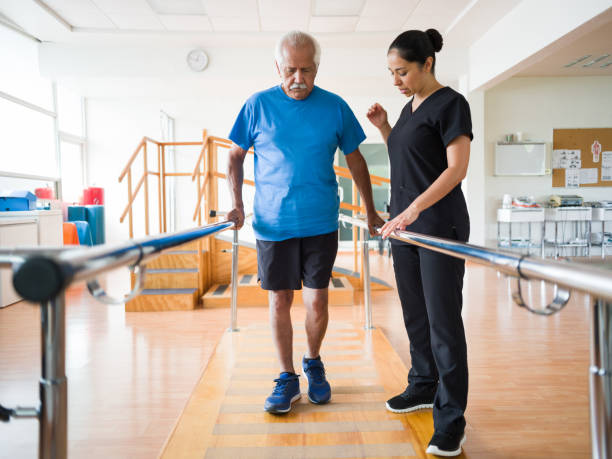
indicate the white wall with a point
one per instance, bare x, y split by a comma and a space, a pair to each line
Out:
115, 128
535, 106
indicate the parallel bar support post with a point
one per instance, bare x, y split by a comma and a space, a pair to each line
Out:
53, 431
600, 378
367, 297
234, 283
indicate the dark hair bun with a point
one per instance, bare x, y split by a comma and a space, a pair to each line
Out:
435, 38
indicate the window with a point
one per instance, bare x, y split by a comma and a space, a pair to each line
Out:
27, 142
36, 118
21, 78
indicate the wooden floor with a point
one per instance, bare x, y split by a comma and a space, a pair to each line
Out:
354, 423
130, 375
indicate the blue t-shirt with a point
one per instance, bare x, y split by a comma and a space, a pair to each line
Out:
296, 192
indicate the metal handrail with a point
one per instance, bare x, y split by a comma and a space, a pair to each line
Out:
585, 278
566, 275
42, 275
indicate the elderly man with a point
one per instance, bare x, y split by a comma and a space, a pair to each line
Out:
295, 128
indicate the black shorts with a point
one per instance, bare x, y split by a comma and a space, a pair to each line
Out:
284, 265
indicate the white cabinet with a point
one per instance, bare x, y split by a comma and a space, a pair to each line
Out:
26, 229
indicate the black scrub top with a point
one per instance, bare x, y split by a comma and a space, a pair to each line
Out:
417, 152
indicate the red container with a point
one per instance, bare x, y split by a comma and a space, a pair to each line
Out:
96, 196
93, 196
44, 193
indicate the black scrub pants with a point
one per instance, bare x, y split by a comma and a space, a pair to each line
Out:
430, 290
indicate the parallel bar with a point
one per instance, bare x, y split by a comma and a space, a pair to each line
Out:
55, 270
53, 426
600, 379
234, 283
575, 276
367, 297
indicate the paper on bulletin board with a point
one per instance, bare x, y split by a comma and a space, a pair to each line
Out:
566, 159
606, 174
606, 159
588, 175
572, 178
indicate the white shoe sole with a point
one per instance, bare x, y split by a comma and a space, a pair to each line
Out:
295, 397
433, 449
412, 408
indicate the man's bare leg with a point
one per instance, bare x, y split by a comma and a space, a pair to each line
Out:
317, 317
282, 330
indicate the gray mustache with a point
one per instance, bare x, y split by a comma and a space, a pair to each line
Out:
298, 86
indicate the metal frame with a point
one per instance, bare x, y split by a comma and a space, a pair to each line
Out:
42, 276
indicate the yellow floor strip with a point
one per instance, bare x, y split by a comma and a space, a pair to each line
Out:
224, 418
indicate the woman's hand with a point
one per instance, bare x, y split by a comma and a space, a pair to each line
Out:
377, 115
407, 217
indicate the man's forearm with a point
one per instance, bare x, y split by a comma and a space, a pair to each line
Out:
235, 178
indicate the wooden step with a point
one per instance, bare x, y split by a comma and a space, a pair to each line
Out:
251, 294
170, 278
171, 299
176, 259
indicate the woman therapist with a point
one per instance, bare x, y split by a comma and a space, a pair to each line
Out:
429, 150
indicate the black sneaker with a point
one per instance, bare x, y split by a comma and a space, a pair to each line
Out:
410, 400
443, 444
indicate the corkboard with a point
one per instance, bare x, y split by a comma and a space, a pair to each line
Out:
582, 139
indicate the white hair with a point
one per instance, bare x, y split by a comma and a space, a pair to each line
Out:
296, 39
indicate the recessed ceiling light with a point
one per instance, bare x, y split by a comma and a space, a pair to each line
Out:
580, 59
594, 61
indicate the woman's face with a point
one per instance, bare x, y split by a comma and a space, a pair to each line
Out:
408, 77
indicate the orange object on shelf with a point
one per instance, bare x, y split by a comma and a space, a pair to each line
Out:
71, 237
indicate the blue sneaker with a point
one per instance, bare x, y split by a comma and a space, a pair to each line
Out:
286, 391
319, 391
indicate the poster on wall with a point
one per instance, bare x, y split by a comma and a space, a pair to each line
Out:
582, 157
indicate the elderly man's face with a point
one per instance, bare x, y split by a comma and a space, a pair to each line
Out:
298, 71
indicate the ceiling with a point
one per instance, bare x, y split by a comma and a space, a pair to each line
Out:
317, 16
335, 23
590, 53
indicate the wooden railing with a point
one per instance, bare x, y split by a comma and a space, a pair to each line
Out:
161, 175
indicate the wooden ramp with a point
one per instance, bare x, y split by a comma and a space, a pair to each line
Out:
224, 418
